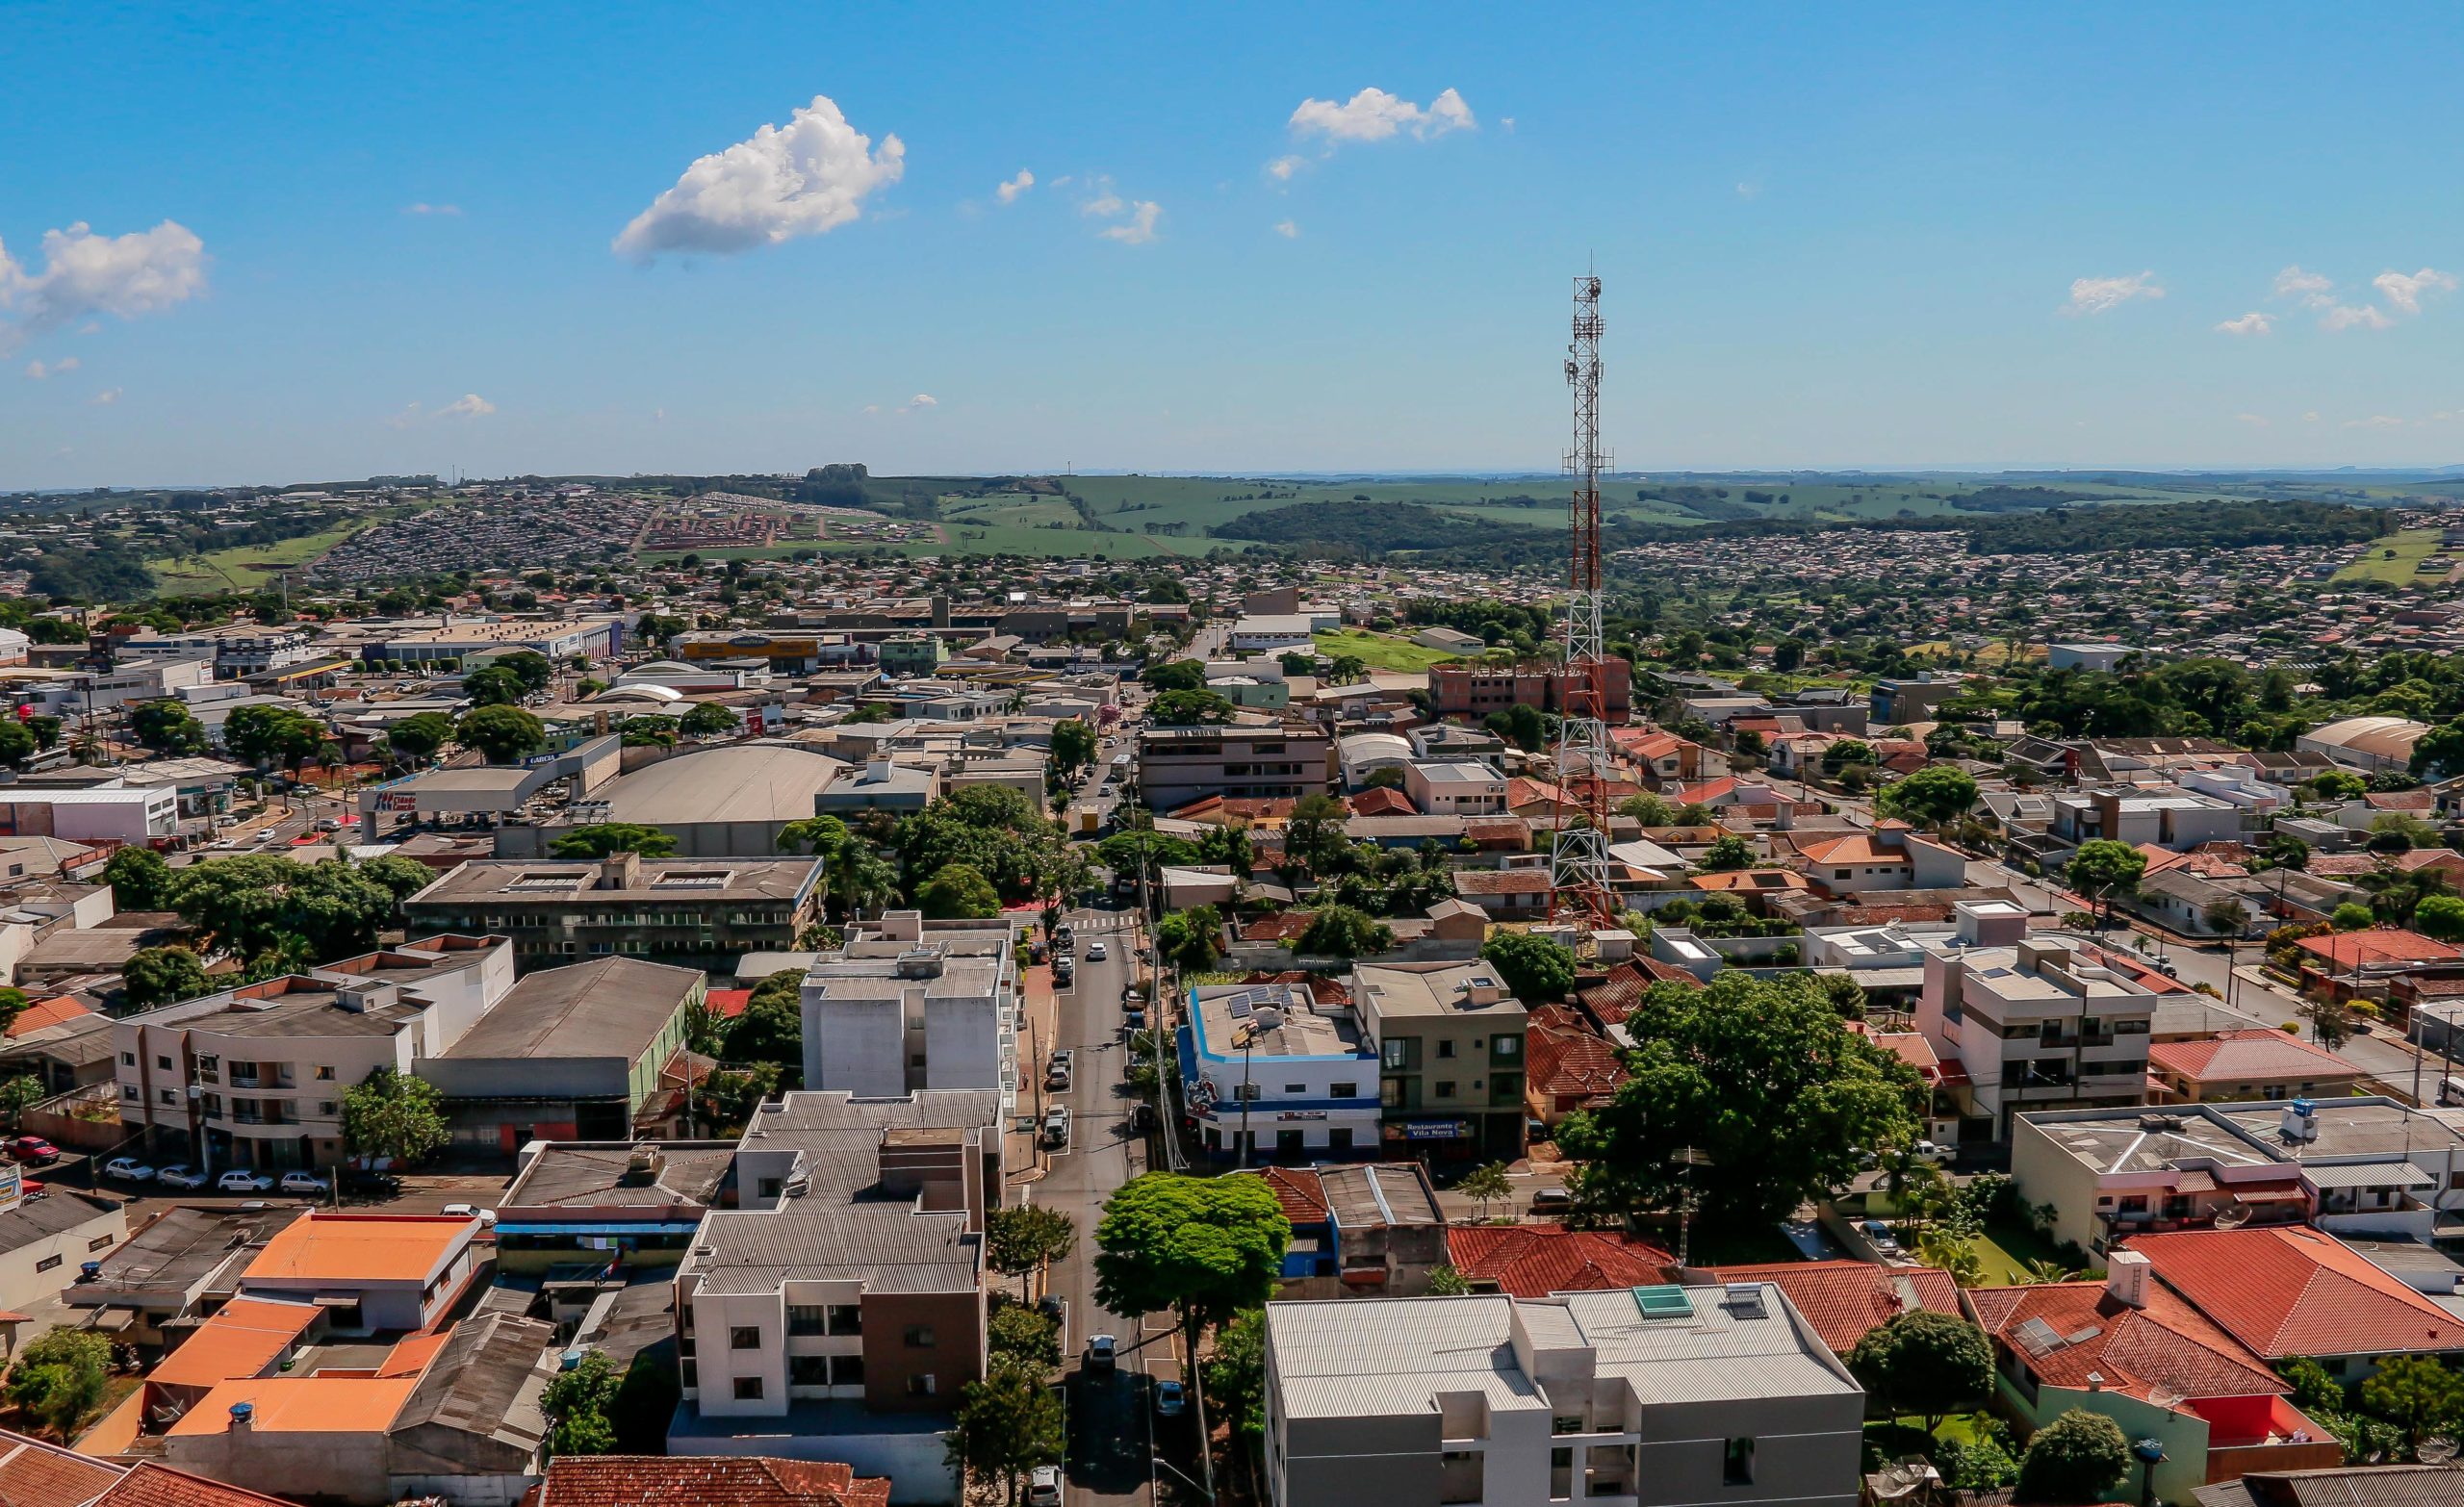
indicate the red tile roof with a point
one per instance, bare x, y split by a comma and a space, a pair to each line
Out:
1501, 881
1298, 1189
1382, 802
2288, 1289
2167, 1347
728, 1004
1280, 926
1532, 1261
36, 1475
706, 1481
1854, 848
1572, 1060
2248, 1057
151, 1485
2348, 949
1842, 1299
53, 1011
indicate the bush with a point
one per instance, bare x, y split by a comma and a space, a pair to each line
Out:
2079, 1457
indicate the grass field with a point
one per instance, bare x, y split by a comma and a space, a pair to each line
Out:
1381, 650
247, 568
2393, 561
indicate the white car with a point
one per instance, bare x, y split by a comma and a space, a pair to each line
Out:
1095, 952
302, 1183
129, 1168
177, 1176
486, 1216
240, 1180
1043, 1487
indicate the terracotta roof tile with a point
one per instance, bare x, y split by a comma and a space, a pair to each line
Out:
152, 1485
1382, 802
706, 1481
2347, 949
2167, 1348
36, 1475
2248, 1057
1532, 1261
1298, 1189
1501, 881
1842, 1299
1568, 1061
2288, 1289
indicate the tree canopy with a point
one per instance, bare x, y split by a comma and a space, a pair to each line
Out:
393, 1114
958, 891
1211, 1246
1536, 969
501, 733
2079, 1457
603, 838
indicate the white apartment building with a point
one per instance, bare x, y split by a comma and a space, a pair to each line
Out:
1268, 1062
1634, 1398
90, 813
1271, 634
910, 1004
1455, 787
2033, 1023
254, 1077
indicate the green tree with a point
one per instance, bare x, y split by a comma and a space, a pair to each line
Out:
1189, 710
2314, 1390
1236, 1379
1022, 1338
1536, 969
598, 840
1314, 833
1934, 796
771, 1028
2226, 916
1074, 745
2104, 869
1846, 752
2079, 1457
1343, 932
1520, 725
709, 720
393, 1114
1761, 1078
1727, 854
1446, 1282
1005, 1425
646, 732
419, 736
820, 835
1646, 811
859, 878
60, 1379
20, 1094
2418, 1394
529, 669
161, 976
493, 686
1025, 1238
2352, 916
254, 903
576, 1403
1487, 1183
1190, 940
1927, 1363
959, 892
138, 877
501, 733
2441, 917
168, 727
2439, 752
1207, 1247
267, 734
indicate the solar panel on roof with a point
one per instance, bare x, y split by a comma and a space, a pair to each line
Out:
2083, 1335
2037, 1337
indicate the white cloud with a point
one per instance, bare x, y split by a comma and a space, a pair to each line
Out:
470, 405
431, 209
1373, 116
2254, 322
2405, 292
2255, 421
920, 400
2311, 417
1506, 121
2354, 316
1289, 230
1283, 168
1107, 204
2313, 290
2376, 421
2097, 294
1008, 193
1139, 228
106, 397
39, 372
144, 271
806, 178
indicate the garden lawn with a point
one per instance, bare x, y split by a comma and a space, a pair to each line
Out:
1382, 651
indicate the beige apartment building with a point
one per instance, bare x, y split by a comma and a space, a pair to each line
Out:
1449, 1040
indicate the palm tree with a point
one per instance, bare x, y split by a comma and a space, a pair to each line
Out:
859, 876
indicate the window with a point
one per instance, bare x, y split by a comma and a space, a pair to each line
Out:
768, 1187
1296, 1091
806, 1318
744, 1336
1339, 1138
1507, 1047
128, 1059
921, 1385
324, 1073
163, 1063
1445, 1048
100, 1242
1395, 1053
128, 1090
1343, 1090
1736, 1463
168, 1097
46, 1263
748, 1388
920, 1336
846, 1371
846, 1319
1444, 1088
1248, 1092
807, 1370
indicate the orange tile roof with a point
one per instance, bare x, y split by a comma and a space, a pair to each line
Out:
2347, 949
727, 1004
1501, 881
55, 1011
1532, 1261
1378, 801
2248, 1057
411, 1356
1752, 879
1842, 1299
248, 1336
2167, 1347
1298, 1189
706, 1481
338, 1247
2287, 1290
1572, 1060
303, 1405
152, 1485
1854, 848
36, 1475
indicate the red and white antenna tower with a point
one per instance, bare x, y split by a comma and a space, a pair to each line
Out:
1579, 888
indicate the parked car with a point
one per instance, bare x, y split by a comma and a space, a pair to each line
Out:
1102, 1351
240, 1180
1056, 1075
178, 1176
1055, 1127
1932, 1155
128, 1170
1043, 1487
1879, 1233
1171, 1400
370, 1184
1551, 1199
487, 1217
1095, 952
33, 1150
303, 1183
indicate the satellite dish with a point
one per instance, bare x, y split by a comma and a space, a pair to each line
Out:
2435, 1452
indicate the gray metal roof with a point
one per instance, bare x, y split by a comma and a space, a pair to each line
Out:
607, 1008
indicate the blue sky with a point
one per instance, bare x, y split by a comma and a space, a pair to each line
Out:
1943, 236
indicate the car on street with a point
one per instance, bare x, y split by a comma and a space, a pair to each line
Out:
33, 1150
1102, 1352
1883, 1239
1551, 1199
1171, 1400
1095, 952
1932, 1155
128, 1170
303, 1183
485, 1216
178, 1176
370, 1184
1055, 1127
240, 1180
1043, 1487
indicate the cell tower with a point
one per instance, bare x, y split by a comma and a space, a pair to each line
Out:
1579, 887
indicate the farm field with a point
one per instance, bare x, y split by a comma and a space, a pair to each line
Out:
2394, 562
1381, 650
246, 568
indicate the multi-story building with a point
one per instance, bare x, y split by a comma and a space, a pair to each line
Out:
908, 1003
1279, 760
837, 1312
1270, 1062
588, 1052
451, 641
1455, 787
905, 654
1475, 690
2177, 819
1448, 1041
1634, 1398
673, 911
238, 649
254, 1077
2032, 1022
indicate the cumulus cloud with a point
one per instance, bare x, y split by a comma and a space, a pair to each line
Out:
2098, 295
1289, 230
2354, 316
1283, 168
919, 403
144, 271
1008, 193
2254, 322
431, 209
470, 405
2311, 290
2376, 421
106, 397
1373, 116
806, 178
1139, 229
1105, 203
39, 372
2404, 289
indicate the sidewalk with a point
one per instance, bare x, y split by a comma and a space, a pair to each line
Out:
1040, 1023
